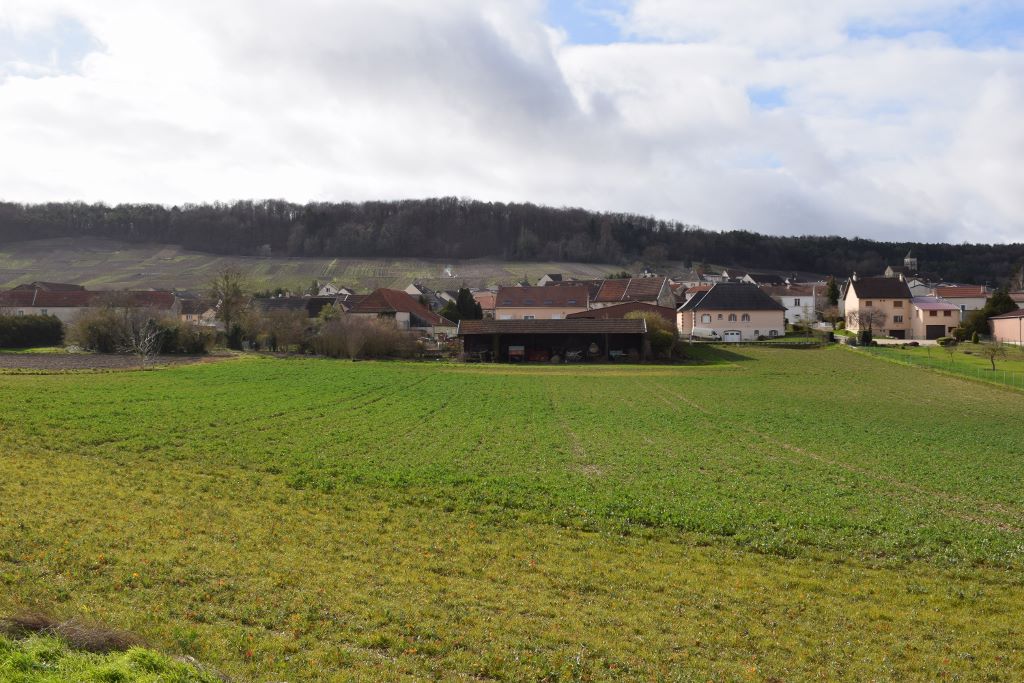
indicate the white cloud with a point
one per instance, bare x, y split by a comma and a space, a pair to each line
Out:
194, 101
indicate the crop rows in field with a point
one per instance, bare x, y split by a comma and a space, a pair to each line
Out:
781, 451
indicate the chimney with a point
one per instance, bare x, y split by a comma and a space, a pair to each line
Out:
902, 279
854, 278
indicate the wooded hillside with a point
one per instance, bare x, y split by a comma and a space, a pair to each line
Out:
451, 228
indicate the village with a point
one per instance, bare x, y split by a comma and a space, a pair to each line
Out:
559, 319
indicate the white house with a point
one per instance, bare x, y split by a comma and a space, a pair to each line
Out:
799, 300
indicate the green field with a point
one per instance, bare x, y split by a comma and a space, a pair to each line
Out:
964, 359
772, 515
107, 264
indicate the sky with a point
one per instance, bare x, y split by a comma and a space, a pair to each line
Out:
887, 119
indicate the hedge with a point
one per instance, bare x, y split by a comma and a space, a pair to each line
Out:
26, 331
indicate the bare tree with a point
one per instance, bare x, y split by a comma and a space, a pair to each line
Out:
285, 328
865, 319
993, 351
228, 290
142, 334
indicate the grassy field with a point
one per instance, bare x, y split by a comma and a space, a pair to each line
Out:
106, 264
776, 515
964, 359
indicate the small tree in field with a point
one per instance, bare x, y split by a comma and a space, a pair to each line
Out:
228, 290
993, 352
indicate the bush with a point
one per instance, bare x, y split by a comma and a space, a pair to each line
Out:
864, 337
357, 337
25, 331
974, 338
661, 341
761, 337
109, 329
946, 341
841, 325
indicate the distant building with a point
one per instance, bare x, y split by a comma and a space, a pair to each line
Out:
66, 302
551, 302
800, 300
549, 277
732, 311
1008, 328
969, 298
405, 310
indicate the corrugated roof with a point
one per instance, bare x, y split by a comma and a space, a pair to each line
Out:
566, 326
632, 289
880, 288
558, 297
733, 296
932, 303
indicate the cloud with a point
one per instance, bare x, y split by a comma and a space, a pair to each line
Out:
724, 114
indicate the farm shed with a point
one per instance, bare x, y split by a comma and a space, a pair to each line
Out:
542, 340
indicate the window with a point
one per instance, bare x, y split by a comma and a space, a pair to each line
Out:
796, 302
504, 316
745, 317
947, 314
897, 304
572, 302
529, 317
21, 312
706, 318
933, 314
556, 316
528, 302
719, 316
506, 302
732, 317
44, 311
867, 304
548, 302
757, 332
897, 318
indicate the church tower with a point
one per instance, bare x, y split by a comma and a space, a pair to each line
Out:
910, 263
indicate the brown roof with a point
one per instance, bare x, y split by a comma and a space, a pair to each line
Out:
396, 301
593, 286
565, 326
632, 289
42, 298
963, 292
788, 290
880, 288
52, 286
1019, 313
560, 296
485, 299
732, 296
620, 310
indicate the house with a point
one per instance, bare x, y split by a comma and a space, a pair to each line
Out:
198, 312
694, 291
619, 311
732, 311
763, 279
330, 289
546, 340
1008, 328
1018, 298
908, 268
551, 302
968, 297
549, 277
933, 318
881, 304
66, 302
799, 300
426, 296
486, 299
405, 310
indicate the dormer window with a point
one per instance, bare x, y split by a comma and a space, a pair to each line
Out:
506, 302
548, 302
572, 302
528, 302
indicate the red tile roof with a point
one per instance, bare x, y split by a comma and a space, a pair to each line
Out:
933, 303
632, 289
963, 292
561, 296
396, 301
41, 298
485, 299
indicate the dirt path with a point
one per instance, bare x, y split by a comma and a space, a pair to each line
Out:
57, 362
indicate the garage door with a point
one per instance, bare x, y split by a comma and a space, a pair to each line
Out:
934, 331
732, 336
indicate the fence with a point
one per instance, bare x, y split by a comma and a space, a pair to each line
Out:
1010, 378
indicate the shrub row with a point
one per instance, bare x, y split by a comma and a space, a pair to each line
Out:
26, 331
